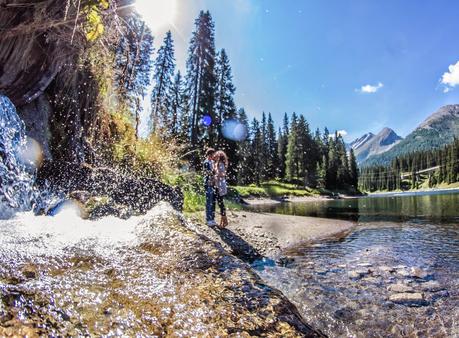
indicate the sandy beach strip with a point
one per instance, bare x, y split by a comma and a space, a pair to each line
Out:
265, 234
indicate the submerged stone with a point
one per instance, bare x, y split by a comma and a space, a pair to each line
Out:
406, 297
431, 286
399, 287
418, 273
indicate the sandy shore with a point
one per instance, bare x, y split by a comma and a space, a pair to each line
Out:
252, 235
298, 199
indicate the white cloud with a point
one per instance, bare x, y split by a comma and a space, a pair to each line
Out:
451, 78
369, 89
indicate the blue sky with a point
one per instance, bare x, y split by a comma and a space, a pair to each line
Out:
353, 65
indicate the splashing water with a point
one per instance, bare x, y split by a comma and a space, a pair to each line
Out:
16, 182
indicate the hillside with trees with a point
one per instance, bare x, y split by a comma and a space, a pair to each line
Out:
438, 130
426, 169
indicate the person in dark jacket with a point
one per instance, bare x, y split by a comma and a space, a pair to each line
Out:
209, 186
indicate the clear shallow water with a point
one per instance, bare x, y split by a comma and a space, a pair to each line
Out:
395, 274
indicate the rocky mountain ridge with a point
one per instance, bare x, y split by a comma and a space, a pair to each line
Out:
437, 130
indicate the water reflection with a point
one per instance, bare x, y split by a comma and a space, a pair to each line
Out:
441, 207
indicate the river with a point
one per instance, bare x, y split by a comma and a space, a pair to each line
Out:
395, 274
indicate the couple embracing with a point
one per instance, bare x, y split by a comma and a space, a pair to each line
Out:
214, 168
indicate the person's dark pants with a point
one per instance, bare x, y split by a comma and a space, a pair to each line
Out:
221, 204
210, 203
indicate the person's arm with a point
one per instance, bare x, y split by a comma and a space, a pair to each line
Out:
221, 170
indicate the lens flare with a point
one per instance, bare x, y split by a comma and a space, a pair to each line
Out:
31, 154
157, 14
206, 120
234, 130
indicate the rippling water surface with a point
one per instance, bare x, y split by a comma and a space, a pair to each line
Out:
395, 274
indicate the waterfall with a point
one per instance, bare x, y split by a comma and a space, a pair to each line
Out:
16, 180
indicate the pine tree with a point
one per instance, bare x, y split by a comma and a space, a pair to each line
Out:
225, 111
321, 172
133, 64
353, 170
343, 164
413, 175
333, 162
177, 106
272, 155
292, 158
161, 98
304, 151
244, 154
452, 164
282, 146
225, 108
201, 81
257, 152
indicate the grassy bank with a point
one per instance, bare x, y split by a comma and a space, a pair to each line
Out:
195, 200
275, 189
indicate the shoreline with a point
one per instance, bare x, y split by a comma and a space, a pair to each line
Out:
255, 200
412, 192
251, 236
252, 200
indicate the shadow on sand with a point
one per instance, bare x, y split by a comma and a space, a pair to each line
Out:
239, 247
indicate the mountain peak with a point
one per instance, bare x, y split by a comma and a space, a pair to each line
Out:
450, 111
388, 137
371, 144
386, 130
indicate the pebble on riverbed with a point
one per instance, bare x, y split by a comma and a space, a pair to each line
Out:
407, 297
399, 287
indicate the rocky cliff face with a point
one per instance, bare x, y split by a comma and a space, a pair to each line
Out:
370, 144
42, 48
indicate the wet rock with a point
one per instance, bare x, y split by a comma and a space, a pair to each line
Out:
407, 298
372, 280
285, 261
365, 265
387, 268
345, 314
431, 286
123, 289
418, 273
403, 272
354, 274
30, 271
399, 287
137, 193
434, 296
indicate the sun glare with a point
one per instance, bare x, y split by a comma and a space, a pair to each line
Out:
157, 13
